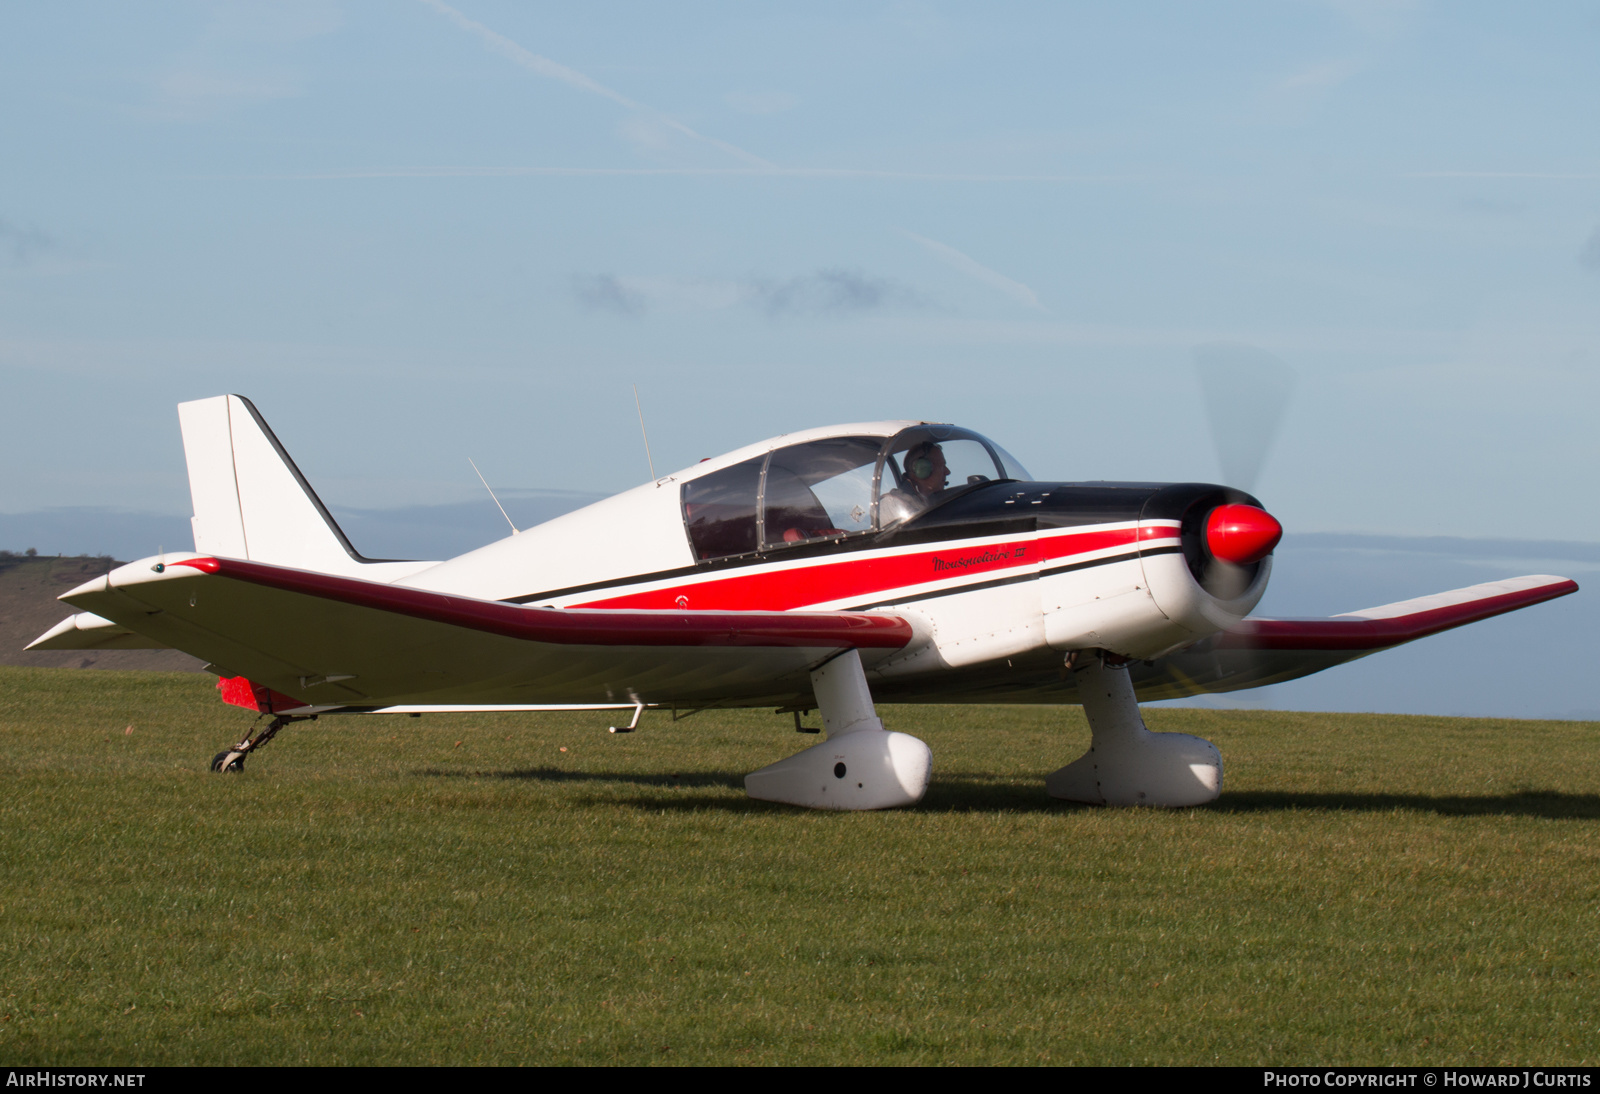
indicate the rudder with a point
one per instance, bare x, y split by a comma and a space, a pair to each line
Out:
250, 500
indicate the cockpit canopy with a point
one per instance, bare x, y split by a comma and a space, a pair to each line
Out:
837, 487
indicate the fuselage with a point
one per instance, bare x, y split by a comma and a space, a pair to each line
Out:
992, 570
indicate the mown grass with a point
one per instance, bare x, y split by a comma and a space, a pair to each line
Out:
1370, 889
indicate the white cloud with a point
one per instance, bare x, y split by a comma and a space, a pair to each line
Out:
1589, 257
196, 94
1325, 74
634, 296
22, 244
606, 292
276, 23
831, 291
236, 59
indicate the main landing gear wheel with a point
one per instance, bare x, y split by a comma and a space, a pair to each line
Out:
233, 759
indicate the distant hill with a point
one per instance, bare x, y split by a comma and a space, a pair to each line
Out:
28, 607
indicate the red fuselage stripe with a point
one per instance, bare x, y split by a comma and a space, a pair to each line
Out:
833, 579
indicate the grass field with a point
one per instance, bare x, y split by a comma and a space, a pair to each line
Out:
504, 889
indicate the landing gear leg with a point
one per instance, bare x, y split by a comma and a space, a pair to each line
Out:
232, 759
1127, 764
861, 765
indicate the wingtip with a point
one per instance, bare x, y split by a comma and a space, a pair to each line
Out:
1389, 625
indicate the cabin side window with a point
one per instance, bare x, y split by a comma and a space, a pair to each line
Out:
720, 510
805, 492
819, 490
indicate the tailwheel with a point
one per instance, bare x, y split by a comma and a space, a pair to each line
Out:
233, 759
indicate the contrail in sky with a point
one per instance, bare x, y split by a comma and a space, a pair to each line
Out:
549, 69
973, 268
1500, 175
468, 171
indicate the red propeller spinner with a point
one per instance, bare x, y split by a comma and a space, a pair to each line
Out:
1241, 534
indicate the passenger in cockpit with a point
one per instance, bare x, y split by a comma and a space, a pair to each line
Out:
925, 477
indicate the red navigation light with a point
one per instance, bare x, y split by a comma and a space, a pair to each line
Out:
1241, 534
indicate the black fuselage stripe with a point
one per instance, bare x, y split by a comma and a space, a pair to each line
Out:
975, 586
734, 565
609, 583
1144, 553
937, 593
855, 544
999, 581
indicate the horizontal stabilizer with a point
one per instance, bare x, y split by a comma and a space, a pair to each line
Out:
87, 631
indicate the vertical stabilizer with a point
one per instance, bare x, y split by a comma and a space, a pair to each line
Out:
250, 500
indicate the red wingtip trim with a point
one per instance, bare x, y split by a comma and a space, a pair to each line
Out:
1241, 534
204, 565
240, 692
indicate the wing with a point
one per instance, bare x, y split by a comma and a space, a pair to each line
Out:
329, 640
1269, 651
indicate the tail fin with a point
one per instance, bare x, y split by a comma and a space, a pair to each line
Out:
250, 500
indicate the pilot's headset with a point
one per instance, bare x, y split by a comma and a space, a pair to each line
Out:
919, 460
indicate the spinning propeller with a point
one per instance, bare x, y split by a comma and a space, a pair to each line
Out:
1247, 392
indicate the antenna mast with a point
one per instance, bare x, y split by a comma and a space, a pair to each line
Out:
642, 432
497, 504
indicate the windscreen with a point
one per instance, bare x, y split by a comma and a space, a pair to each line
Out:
929, 464
837, 487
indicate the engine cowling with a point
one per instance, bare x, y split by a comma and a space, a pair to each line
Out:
1203, 560
1223, 560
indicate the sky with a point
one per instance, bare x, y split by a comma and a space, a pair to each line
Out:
414, 232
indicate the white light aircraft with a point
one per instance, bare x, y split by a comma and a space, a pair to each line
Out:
900, 562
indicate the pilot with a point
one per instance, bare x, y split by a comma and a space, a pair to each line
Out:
926, 476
